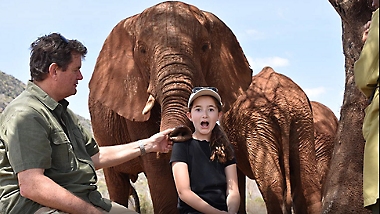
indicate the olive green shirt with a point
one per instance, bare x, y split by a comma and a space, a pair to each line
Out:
38, 132
366, 71
366, 68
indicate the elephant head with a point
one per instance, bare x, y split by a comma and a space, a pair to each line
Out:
159, 55
144, 75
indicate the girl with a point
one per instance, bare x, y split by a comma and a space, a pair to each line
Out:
204, 167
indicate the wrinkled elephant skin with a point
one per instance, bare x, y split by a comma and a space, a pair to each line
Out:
271, 127
142, 80
325, 129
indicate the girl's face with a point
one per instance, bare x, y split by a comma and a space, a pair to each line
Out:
204, 114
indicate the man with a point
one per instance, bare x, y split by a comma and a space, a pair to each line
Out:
47, 159
366, 71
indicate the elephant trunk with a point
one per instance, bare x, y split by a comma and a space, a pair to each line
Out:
176, 82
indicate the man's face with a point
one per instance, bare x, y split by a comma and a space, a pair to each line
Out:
67, 81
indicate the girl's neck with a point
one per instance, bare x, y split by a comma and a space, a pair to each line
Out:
201, 137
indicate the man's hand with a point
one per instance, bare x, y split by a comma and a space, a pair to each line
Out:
160, 142
366, 30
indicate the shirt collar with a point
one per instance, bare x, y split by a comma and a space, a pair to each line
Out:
45, 98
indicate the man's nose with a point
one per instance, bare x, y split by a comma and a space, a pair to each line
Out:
79, 76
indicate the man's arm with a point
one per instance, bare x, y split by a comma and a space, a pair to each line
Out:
114, 155
41, 189
366, 30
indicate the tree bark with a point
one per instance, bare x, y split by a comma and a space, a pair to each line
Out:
344, 193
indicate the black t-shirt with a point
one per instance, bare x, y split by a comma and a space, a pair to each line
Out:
207, 178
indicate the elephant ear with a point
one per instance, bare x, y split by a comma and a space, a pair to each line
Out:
229, 70
117, 82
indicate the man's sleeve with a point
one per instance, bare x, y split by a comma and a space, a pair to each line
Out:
28, 141
366, 68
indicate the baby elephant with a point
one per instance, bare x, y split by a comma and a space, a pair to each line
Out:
271, 128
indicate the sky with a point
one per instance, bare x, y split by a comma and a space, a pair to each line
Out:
300, 39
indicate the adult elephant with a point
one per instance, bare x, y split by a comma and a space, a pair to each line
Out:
142, 80
325, 129
271, 128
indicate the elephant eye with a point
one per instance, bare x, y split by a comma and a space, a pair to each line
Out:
205, 47
141, 48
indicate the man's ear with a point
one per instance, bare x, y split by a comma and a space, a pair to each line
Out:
53, 70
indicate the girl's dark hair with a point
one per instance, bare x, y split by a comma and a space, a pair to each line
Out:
52, 48
221, 147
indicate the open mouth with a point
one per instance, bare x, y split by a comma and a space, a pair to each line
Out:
204, 124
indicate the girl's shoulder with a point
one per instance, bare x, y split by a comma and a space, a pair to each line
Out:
192, 145
194, 141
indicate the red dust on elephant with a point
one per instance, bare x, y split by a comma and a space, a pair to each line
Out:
142, 80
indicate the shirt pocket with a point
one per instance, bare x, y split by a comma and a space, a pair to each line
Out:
80, 143
79, 136
62, 157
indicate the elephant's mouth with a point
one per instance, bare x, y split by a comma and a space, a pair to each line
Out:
180, 134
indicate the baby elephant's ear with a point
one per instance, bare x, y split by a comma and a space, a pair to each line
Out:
117, 82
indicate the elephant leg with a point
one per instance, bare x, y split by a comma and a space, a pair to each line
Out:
118, 185
270, 178
272, 195
306, 197
272, 189
135, 203
298, 199
161, 184
242, 188
306, 187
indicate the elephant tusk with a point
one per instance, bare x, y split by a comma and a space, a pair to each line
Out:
149, 105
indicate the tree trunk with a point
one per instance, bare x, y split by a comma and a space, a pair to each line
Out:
344, 193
